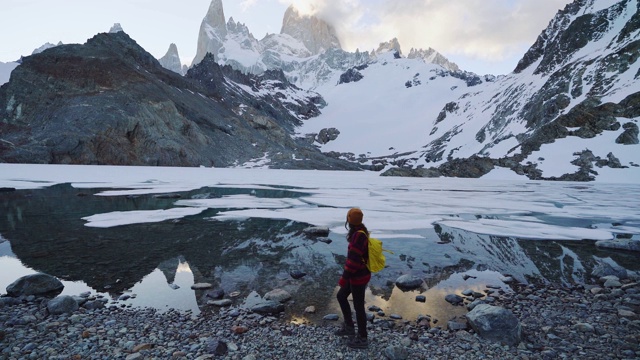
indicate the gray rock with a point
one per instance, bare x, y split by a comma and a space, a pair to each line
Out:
621, 244
278, 295
216, 294
454, 299
584, 327
408, 282
321, 231
297, 274
612, 283
221, 303
201, 286
396, 353
9, 301
421, 298
606, 269
268, 307
455, 325
217, 347
35, 284
496, 324
475, 303
93, 305
331, 317
327, 135
61, 305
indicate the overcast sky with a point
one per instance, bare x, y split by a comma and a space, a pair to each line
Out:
483, 36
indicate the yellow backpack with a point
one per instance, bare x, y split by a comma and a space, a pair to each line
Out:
376, 256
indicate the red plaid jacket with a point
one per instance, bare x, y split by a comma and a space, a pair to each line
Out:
355, 269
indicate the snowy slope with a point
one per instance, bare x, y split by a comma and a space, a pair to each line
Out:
379, 115
496, 119
582, 60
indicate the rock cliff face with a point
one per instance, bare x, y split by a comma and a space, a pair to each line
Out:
315, 34
213, 31
307, 49
110, 102
171, 60
430, 56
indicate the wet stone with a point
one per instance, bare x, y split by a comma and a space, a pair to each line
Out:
454, 299
331, 317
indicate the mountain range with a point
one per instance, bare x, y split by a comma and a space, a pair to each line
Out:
568, 111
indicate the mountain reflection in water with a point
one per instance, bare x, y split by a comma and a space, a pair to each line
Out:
160, 261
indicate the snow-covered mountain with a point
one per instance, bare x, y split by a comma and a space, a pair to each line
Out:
569, 109
316, 35
307, 48
572, 100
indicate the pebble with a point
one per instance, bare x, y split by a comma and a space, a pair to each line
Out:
558, 322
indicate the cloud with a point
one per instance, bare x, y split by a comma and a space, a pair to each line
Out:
247, 4
490, 30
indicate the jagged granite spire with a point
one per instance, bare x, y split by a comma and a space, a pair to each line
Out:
315, 34
171, 60
392, 45
431, 56
115, 28
213, 31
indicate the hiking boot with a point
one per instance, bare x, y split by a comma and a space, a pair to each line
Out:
346, 331
358, 342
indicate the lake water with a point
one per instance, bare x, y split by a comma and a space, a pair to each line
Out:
152, 233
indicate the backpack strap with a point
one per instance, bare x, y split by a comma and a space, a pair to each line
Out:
367, 235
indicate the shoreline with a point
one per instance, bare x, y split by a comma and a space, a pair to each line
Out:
569, 322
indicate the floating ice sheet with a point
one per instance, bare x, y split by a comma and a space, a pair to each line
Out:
393, 207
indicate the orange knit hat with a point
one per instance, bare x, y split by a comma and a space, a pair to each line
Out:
354, 216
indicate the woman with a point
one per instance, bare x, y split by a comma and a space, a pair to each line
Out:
354, 280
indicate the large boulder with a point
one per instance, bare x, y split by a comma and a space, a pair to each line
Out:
268, 307
35, 284
62, 304
278, 295
605, 269
408, 282
496, 324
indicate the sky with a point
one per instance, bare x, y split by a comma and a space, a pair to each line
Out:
483, 36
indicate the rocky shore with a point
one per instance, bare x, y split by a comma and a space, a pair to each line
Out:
598, 321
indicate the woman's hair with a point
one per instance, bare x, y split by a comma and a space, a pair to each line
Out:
352, 229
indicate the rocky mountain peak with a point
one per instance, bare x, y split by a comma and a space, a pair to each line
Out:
391, 45
116, 28
171, 60
213, 31
238, 28
44, 47
431, 56
316, 34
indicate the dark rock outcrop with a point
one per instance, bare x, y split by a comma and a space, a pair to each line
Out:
326, 135
35, 284
351, 75
110, 102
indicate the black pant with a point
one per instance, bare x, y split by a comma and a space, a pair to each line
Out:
358, 303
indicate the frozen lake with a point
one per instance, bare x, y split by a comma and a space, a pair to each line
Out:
154, 232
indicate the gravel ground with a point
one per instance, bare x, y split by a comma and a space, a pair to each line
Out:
580, 322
